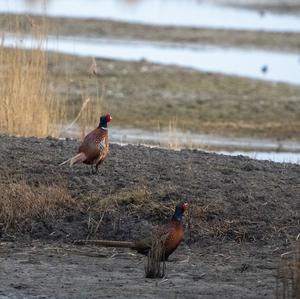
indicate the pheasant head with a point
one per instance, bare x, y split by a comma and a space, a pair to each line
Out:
104, 120
179, 211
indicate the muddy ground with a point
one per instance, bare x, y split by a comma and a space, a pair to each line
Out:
243, 213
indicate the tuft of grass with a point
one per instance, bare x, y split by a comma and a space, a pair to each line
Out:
138, 197
19, 202
173, 136
209, 221
156, 266
288, 281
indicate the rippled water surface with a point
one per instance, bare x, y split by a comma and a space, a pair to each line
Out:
159, 12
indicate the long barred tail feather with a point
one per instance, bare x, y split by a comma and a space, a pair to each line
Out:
74, 160
107, 243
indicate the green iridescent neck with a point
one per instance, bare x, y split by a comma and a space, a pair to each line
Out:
103, 126
178, 214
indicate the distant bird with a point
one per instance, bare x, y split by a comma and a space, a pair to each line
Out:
262, 13
95, 147
264, 69
171, 235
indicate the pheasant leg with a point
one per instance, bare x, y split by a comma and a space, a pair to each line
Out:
94, 170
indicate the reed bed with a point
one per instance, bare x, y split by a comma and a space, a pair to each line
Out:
28, 108
29, 104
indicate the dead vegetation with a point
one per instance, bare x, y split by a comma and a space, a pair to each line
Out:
156, 266
135, 203
28, 107
211, 221
21, 202
143, 95
208, 221
138, 200
288, 282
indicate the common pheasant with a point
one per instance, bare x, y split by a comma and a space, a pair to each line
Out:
171, 233
95, 147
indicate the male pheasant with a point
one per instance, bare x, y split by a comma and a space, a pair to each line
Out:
95, 147
171, 233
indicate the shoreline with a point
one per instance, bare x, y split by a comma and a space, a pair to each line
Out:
113, 29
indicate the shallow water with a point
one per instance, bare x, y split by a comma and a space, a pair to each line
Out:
281, 67
281, 157
190, 13
260, 149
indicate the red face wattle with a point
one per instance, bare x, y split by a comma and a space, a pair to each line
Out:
184, 206
108, 118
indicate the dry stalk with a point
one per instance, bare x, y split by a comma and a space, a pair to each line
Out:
156, 265
288, 281
90, 111
173, 138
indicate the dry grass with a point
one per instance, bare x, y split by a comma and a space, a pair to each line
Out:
208, 221
288, 283
138, 200
173, 136
28, 107
156, 266
21, 202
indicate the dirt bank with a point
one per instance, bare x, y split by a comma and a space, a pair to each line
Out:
242, 212
149, 96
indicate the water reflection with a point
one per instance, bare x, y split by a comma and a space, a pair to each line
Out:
190, 13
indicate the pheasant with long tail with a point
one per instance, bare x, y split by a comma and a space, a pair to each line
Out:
95, 146
171, 233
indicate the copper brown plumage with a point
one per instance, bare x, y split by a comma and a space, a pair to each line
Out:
171, 233
95, 146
